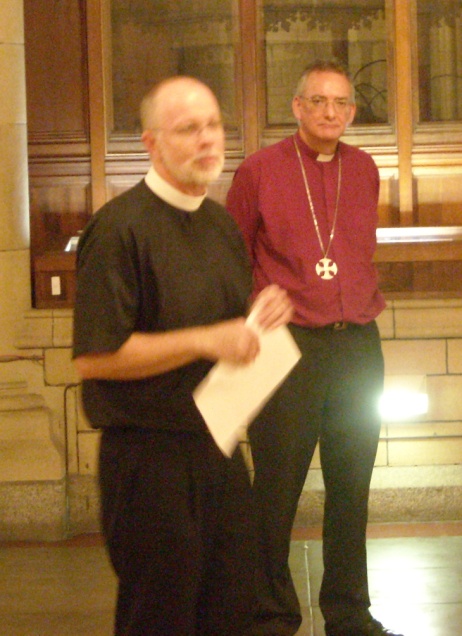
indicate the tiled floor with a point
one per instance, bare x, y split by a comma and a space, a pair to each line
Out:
68, 589
415, 578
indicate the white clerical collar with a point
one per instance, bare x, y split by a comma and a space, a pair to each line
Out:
326, 158
171, 195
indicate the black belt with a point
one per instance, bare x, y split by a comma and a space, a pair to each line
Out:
340, 325
337, 326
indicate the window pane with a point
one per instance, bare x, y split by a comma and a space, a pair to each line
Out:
352, 32
154, 39
439, 24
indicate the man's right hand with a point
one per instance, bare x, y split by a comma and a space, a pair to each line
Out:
232, 341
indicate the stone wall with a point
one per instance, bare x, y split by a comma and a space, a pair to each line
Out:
418, 472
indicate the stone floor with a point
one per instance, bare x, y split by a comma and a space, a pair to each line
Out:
68, 588
415, 577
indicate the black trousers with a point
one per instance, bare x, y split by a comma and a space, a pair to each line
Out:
176, 518
331, 396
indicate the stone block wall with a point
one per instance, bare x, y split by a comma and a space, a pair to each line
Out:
418, 471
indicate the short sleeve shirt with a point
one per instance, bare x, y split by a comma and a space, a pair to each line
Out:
146, 266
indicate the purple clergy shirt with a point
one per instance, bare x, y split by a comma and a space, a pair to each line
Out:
269, 201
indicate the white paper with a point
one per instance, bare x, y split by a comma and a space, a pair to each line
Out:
231, 396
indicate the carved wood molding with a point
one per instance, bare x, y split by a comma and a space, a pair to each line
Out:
337, 14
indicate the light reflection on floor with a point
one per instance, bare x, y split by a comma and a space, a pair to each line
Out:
415, 582
68, 588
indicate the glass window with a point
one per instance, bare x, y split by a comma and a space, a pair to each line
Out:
439, 25
154, 39
352, 32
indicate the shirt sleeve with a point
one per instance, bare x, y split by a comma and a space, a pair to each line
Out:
107, 295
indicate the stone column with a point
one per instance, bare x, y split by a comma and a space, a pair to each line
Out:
32, 487
14, 212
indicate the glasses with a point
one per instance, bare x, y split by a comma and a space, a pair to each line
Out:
318, 102
194, 130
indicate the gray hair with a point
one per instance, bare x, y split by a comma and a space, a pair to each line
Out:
323, 66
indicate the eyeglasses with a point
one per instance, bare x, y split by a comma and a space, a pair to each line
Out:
194, 130
318, 102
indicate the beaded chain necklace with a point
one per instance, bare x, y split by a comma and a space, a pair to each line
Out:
326, 268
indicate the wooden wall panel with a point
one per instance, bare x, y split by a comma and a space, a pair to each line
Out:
59, 142
439, 196
58, 209
420, 277
56, 75
388, 207
54, 281
219, 189
72, 170
118, 183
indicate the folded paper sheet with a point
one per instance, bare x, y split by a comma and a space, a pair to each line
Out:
231, 396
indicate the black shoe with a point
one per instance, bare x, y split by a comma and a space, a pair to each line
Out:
371, 628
